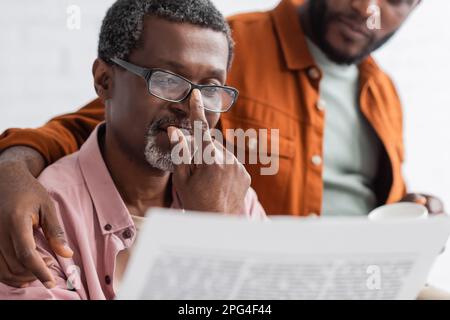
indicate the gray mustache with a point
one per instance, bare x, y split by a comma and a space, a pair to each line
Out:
184, 125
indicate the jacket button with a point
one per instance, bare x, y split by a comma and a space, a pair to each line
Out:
320, 105
107, 227
126, 234
316, 160
314, 73
108, 280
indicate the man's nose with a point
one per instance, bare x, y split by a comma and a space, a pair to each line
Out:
180, 109
361, 7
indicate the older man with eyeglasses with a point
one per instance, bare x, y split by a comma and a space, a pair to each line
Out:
156, 83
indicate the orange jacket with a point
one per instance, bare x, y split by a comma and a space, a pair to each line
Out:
278, 82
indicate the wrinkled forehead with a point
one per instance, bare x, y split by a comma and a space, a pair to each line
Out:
195, 49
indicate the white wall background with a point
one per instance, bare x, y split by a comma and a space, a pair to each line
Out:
45, 71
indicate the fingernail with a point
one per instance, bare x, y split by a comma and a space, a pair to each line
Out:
173, 135
421, 200
69, 251
49, 284
197, 94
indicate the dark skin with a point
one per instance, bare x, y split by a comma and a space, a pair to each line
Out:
29, 205
202, 62
340, 28
198, 54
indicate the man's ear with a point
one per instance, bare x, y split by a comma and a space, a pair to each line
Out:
102, 73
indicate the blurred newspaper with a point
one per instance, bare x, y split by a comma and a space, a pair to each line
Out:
210, 256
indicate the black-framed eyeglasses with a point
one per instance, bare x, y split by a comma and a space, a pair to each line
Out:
171, 87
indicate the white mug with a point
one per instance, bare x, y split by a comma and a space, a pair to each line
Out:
400, 210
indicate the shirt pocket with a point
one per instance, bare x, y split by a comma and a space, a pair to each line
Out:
256, 138
274, 154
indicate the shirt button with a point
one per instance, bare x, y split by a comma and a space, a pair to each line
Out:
316, 160
107, 227
320, 105
126, 234
108, 280
314, 73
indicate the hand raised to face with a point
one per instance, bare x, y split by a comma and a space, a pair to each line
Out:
219, 185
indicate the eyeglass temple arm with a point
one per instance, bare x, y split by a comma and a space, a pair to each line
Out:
131, 67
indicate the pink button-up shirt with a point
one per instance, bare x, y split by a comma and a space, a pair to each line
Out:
97, 224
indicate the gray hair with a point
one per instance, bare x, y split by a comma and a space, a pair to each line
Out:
123, 24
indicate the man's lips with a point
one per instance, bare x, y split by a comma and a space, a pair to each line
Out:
356, 30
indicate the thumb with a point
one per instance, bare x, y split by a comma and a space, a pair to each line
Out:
54, 232
419, 199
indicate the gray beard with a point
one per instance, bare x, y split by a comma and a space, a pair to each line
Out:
156, 157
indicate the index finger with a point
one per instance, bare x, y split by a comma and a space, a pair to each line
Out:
25, 248
197, 114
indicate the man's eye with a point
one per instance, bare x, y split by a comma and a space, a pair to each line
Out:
166, 81
210, 91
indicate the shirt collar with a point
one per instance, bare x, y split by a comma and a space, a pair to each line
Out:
111, 211
369, 69
291, 35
